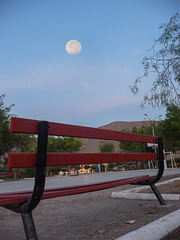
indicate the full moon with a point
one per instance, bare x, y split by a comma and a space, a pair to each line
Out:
73, 47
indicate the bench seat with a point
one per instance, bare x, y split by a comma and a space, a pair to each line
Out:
22, 196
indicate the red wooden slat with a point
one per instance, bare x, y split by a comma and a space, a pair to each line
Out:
22, 125
96, 133
22, 160
4, 200
19, 197
10, 174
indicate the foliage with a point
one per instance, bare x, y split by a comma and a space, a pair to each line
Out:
64, 144
25, 142
87, 166
111, 166
163, 62
6, 141
107, 147
136, 146
3, 164
170, 128
54, 170
93, 167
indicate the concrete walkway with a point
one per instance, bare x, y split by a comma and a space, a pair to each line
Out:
59, 181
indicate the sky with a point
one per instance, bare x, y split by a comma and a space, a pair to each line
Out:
91, 88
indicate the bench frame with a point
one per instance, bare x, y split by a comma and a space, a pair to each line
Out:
25, 202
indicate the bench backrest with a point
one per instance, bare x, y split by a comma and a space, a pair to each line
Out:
28, 126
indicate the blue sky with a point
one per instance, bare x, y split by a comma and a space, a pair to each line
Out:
91, 88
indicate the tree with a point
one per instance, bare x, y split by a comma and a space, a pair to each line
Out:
64, 144
24, 142
163, 62
106, 147
136, 147
170, 128
6, 141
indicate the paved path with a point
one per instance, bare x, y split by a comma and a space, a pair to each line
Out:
57, 181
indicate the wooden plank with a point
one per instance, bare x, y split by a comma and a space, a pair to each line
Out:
14, 198
22, 125
10, 174
23, 160
97, 133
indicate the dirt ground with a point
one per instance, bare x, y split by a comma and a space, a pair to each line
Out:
175, 235
93, 216
170, 188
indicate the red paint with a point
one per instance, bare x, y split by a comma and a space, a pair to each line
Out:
22, 125
23, 160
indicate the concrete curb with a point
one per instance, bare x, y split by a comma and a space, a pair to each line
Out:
134, 193
155, 230
145, 196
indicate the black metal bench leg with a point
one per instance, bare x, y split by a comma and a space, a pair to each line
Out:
158, 195
29, 226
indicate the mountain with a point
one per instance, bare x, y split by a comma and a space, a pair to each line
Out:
92, 145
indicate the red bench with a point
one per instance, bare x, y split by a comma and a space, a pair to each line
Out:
10, 174
24, 202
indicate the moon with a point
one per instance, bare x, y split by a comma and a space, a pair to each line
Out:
73, 47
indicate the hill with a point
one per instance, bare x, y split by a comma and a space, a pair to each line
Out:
92, 145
